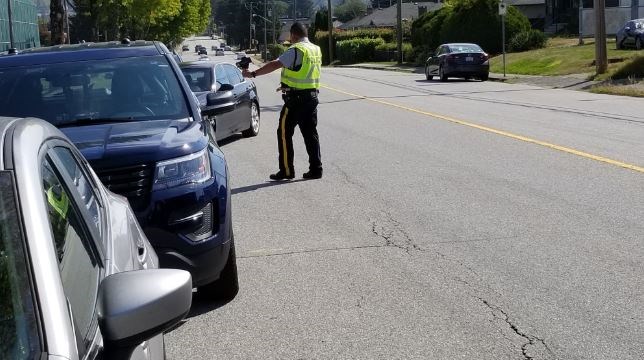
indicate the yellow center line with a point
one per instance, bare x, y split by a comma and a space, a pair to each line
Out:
499, 132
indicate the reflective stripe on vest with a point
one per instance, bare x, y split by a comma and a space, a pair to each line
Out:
60, 205
308, 77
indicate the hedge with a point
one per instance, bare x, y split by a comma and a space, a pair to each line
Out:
357, 50
322, 38
276, 50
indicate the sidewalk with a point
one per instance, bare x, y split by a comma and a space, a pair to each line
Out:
573, 82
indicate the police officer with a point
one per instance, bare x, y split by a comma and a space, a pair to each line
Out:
300, 81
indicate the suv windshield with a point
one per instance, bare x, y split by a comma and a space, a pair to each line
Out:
18, 331
143, 88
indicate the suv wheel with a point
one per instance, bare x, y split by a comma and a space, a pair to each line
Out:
227, 286
253, 130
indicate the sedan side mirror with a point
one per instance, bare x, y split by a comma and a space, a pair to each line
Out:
220, 102
226, 87
135, 306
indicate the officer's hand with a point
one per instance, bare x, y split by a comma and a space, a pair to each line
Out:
246, 73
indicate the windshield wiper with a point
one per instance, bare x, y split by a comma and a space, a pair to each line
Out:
94, 121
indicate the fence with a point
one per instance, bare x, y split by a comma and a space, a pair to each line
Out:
24, 24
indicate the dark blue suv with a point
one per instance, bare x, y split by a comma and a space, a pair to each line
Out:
129, 110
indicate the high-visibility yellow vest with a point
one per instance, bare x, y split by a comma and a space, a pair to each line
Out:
61, 205
308, 77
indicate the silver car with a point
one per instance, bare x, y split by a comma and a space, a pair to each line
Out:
79, 279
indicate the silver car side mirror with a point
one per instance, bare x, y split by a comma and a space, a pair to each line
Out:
135, 306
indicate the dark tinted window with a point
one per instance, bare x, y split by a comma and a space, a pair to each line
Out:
234, 75
18, 327
459, 48
199, 79
144, 88
77, 261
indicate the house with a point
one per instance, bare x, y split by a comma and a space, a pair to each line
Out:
24, 25
534, 10
285, 33
387, 17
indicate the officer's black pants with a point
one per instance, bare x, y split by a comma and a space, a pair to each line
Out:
300, 109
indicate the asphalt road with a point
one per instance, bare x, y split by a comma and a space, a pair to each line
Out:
459, 220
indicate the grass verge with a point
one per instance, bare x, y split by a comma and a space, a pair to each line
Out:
561, 57
623, 90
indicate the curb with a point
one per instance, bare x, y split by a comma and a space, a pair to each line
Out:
403, 70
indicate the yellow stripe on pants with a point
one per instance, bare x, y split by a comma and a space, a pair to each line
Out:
284, 153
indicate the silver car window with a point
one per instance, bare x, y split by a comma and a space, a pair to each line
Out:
83, 186
19, 337
77, 262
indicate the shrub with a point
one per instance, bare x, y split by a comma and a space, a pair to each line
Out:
528, 40
633, 68
474, 21
420, 55
276, 50
357, 50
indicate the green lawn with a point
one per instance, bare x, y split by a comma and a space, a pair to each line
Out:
561, 57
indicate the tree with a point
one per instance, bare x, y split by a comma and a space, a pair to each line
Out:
57, 22
320, 23
350, 9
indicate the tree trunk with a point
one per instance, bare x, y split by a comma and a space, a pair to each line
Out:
57, 22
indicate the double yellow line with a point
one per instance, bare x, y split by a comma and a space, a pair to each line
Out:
565, 149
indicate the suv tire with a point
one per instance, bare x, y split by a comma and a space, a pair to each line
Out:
227, 286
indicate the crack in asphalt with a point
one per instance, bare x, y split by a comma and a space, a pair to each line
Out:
296, 252
389, 228
531, 340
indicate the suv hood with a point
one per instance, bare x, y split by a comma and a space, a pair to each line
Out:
137, 142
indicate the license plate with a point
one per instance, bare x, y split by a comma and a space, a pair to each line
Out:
469, 58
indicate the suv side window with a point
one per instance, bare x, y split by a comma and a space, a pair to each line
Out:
78, 261
234, 75
221, 76
84, 187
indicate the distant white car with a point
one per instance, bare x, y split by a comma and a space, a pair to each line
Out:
219, 52
241, 55
204, 58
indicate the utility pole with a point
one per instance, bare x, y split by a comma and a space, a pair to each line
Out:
264, 55
601, 59
11, 41
250, 28
503, 11
294, 11
330, 25
399, 31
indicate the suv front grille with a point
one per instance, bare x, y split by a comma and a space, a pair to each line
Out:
133, 182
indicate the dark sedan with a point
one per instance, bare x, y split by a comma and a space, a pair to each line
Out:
458, 60
218, 84
631, 35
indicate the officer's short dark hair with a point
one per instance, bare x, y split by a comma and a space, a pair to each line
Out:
299, 30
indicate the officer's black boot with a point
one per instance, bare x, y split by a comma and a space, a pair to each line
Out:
313, 174
281, 175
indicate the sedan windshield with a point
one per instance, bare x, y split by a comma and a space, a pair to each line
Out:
143, 88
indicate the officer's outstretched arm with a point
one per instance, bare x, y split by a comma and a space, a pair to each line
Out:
267, 68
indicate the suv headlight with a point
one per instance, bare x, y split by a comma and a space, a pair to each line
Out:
191, 169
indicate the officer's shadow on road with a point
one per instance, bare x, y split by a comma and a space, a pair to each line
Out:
255, 187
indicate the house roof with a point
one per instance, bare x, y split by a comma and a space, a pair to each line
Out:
387, 17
